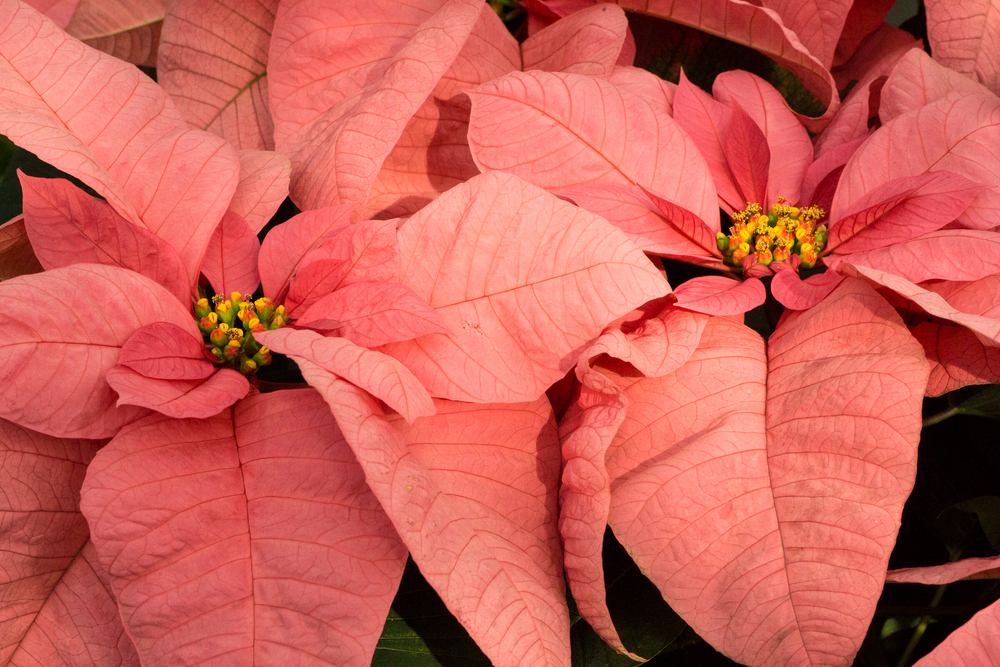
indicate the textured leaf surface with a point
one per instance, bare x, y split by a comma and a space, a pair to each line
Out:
716, 295
43, 530
965, 36
875, 57
948, 254
959, 135
54, 358
986, 328
60, 11
322, 360
365, 252
957, 357
917, 80
286, 245
747, 155
705, 119
584, 42
182, 399
105, 122
901, 210
16, 255
230, 262
472, 492
343, 96
967, 568
432, 155
659, 345
373, 314
245, 538
129, 30
263, 186
522, 279
79, 625
564, 131
759, 28
213, 62
67, 226
797, 467
818, 24
969, 646
167, 351
788, 142
793, 292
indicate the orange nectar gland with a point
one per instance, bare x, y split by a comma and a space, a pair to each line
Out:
228, 326
774, 236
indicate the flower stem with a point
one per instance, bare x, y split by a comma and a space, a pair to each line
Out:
940, 417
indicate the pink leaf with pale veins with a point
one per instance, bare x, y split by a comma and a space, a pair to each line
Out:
230, 262
987, 329
564, 131
659, 345
965, 36
54, 357
918, 80
432, 155
957, 357
759, 28
519, 318
79, 624
373, 314
972, 645
60, 11
817, 23
788, 142
645, 84
40, 478
105, 122
947, 254
166, 351
586, 431
797, 465
323, 360
179, 398
337, 130
213, 62
747, 155
796, 293
705, 119
263, 186
287, 245
877, 55
473, 493
585, 42
717, 295
959, 135
259, 523
967, 568
125, 29
68, 226
17, 258
365, 252
902, 209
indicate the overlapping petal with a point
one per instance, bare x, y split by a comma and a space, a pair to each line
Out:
61, 332
523, 280
263, 526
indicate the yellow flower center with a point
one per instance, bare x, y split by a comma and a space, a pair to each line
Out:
228, 325
774, 236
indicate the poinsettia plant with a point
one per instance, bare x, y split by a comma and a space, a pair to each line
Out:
227, 427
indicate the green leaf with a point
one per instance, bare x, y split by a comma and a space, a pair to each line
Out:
421, 632
986, 403
987, 509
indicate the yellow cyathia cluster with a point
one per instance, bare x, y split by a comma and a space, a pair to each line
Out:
228, 329
774, 236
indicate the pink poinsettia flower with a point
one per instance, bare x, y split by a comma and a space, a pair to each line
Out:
377, 118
